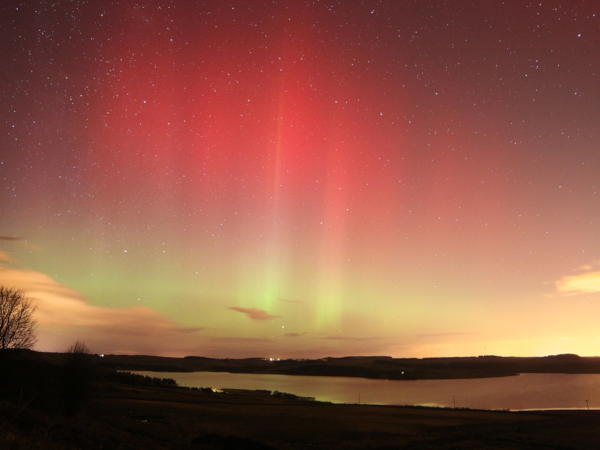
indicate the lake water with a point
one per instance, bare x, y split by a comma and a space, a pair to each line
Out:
522, 392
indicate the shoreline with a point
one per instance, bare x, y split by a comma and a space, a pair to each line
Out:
524, 392
119, 411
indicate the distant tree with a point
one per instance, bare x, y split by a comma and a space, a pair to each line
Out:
17, 325
78, 348
77, 375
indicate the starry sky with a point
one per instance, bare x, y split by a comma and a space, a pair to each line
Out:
282, 178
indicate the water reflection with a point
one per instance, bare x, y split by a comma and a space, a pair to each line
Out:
526, 391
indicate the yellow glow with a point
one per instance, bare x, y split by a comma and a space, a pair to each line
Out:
579, 284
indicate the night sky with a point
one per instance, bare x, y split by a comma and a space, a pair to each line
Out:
411, 178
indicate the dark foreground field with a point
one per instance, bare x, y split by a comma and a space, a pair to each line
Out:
112, 411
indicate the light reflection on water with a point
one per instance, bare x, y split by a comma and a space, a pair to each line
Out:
526, 391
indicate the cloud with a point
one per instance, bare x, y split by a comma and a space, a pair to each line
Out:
584, 283
254, 313
291, 301
348, 338
437, 335
20, 241
239, 340
64, 315
5, 257
293, 335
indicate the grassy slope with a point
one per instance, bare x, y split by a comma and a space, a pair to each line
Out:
118, 414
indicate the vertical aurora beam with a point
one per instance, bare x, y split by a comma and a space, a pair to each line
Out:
289, 164
334, 249
275, 259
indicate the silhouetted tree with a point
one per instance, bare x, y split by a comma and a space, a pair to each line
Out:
77, 349
17, 325
78, 374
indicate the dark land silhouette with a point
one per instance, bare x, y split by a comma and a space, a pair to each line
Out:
376, 367
116, 410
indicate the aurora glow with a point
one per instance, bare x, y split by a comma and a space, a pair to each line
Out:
304, 179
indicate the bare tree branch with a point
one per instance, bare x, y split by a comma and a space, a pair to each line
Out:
17, 325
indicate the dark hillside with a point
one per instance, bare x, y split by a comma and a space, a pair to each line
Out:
118, 410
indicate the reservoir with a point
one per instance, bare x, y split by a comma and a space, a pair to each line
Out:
522, 392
